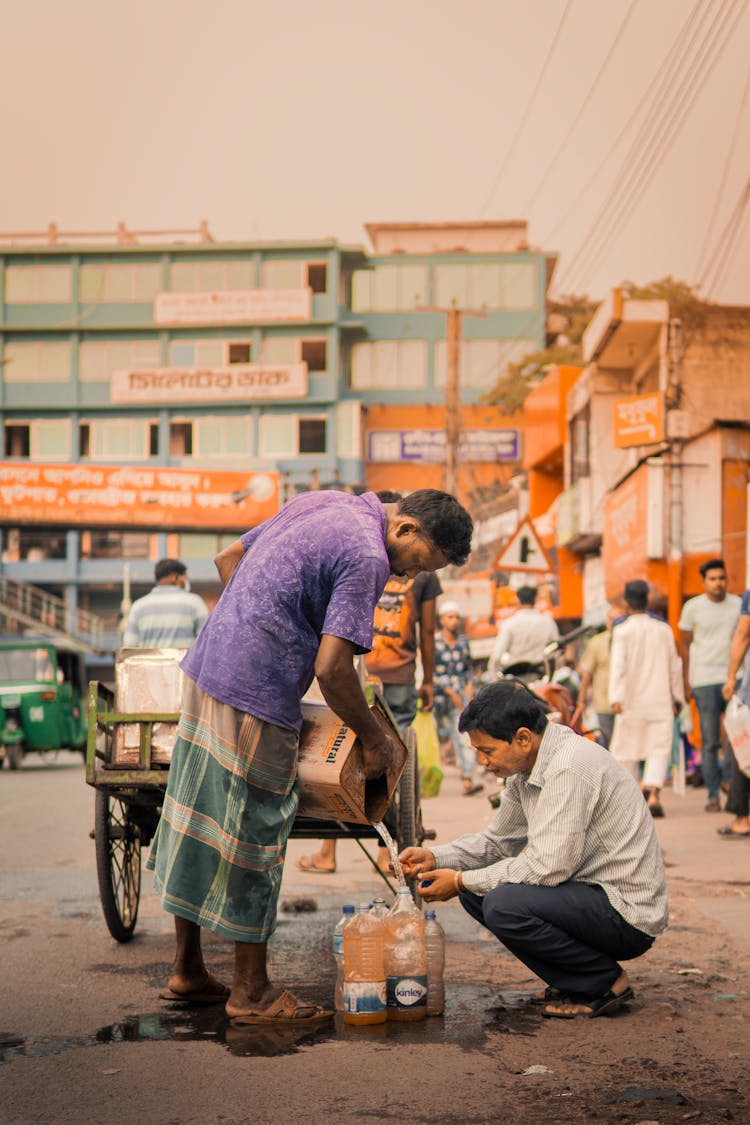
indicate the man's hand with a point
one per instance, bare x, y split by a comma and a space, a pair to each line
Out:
617, 708
415, 861
426, 696
688, 692
729, 688
380, 754
455, 698
440, 885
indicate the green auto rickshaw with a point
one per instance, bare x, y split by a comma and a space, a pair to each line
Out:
42, 694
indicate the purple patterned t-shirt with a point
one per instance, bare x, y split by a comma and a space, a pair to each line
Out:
319, 566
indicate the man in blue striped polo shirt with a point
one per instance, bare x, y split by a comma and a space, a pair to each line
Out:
169, 616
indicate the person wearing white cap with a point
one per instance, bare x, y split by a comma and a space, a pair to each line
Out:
453, 689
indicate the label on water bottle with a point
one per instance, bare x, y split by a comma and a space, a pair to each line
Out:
359, 996
407, 992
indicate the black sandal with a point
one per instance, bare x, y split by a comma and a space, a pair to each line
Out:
602, 1006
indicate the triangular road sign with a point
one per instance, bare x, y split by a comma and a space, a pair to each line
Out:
524, 551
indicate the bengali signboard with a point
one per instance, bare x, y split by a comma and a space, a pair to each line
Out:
92, 495
638, 420
240, 382
624, 543
234, 306
428, 446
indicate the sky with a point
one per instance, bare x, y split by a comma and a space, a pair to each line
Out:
306, 119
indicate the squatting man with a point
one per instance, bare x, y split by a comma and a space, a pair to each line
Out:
569, 875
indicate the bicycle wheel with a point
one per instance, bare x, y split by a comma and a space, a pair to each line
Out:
118, 864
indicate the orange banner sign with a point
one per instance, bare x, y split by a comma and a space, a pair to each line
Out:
638, 420
92, 495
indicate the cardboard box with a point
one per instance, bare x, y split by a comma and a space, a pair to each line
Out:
331, 768
147, 680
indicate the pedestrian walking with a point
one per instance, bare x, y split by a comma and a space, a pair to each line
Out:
738, 800
299, 597
453, 690
707, 625
594, 669
645, 693
523, 637
169, 616
568, 876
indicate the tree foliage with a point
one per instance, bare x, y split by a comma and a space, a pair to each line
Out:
570, 316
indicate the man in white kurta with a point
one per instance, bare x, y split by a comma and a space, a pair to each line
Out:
645, 693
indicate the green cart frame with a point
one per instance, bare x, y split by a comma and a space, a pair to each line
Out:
129, 799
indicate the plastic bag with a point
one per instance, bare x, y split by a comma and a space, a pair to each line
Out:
737, 726
428, 754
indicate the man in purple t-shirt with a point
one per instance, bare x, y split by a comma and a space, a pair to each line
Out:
299, 598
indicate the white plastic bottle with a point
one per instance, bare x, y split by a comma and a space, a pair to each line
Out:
405, 959
364, 970
435, 942
379, 907
338, 953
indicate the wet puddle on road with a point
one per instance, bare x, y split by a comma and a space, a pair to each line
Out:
467, 1024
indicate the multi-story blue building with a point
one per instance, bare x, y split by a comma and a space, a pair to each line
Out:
159, 396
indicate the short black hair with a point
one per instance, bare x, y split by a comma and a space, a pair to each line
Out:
388, 496
636, 594
526, 595
712, 564
499, 709
165, 567
440, 516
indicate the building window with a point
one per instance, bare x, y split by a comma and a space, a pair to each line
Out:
197, 353
579, 445
286, 273
228, 436
312, 435
480, 362
97, 359
315, 354
211, 277
45, 439
48, 362
33, 544
398, 288
203, 545
119, 281
17, 439
123, 439
103, 543
492, 285
317, 276
389, 364
239, 351
37, 284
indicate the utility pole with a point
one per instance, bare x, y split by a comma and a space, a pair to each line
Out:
454, 321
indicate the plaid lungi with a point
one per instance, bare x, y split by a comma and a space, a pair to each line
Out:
232, 794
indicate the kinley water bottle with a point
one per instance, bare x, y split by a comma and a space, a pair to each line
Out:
435, 941
364, 971
338, 953
405, 959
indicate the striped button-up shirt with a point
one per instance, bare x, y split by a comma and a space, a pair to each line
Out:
578, 816
166, 617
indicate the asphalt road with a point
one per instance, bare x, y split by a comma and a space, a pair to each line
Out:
84, 1037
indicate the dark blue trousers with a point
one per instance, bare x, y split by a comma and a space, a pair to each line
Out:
568, 935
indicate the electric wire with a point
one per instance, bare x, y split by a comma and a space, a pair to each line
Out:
673, 50
527, 111
727, 164
584, 104
640, 151
640, 174
727, 243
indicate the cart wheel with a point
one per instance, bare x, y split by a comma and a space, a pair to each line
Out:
118, 865
14, 752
